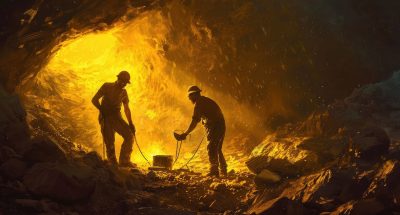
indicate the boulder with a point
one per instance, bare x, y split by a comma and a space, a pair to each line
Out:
30, 204
385, 182
107, 198
339, 184
362, 207
13, 168
219, 187
281, 206
370, 143
64, 182
38, 205
329, 121
44, 149
327, 148
322, 190
14, 130
281, 155
124, 177
222, 199
6, 153
267, 177
92, 159
162, 211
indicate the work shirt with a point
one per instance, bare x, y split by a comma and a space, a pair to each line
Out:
113, 97
208, 111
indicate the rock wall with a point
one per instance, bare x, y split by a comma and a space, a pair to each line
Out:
261, 52
356, 146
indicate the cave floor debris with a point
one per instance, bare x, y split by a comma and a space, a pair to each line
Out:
187, 192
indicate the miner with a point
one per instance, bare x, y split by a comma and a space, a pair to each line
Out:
207, 111
113, 96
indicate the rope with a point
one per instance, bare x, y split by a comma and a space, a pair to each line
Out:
195, 152
177, 150
141, 151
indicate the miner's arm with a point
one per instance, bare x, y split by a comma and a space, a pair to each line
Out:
195, 120
192, 126
96, 98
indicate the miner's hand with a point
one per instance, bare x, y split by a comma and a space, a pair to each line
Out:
133, 129
180, 137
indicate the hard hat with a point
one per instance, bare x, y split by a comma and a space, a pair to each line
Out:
124, 76
193, 89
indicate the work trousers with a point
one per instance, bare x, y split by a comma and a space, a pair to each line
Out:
215, 138
111, 124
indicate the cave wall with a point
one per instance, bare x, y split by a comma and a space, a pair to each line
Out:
32, 29
291, 57
284, 58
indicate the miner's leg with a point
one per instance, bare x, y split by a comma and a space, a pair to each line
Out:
123, 129
213, 157
221, 158
109, 138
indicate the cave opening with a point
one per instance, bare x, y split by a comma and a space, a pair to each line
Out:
61, 92
312, 126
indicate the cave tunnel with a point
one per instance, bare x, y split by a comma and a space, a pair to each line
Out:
301, 85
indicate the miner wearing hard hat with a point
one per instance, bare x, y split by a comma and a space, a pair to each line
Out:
208, 111
113, 95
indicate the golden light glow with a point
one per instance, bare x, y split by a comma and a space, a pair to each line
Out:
158, 101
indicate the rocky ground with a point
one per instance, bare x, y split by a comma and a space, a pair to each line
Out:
46, 180
344, 159
341, 160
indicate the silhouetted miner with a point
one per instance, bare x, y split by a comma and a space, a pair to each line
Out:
110, 118
207, 111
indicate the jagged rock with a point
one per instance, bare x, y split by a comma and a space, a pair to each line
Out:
29, 203
327, 148
151, 175
64, 182
370, 143
328, 122
125, 178
222, 200
44, 205
385, 182
44, 149
139, 198
163, 211
13, 127
335, 185
219, 187
267, 177
106, 199
379, 103
283, 157
6, 153
281, 206
92, 159
362, 207
13, 168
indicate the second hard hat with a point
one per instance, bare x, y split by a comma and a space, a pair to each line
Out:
124, 76
193, 89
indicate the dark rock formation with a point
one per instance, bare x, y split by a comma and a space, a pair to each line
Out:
62, 182
43, 149
13, 168
360, 175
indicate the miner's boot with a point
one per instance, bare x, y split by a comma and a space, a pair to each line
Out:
213, 171
224, 172
213, 174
